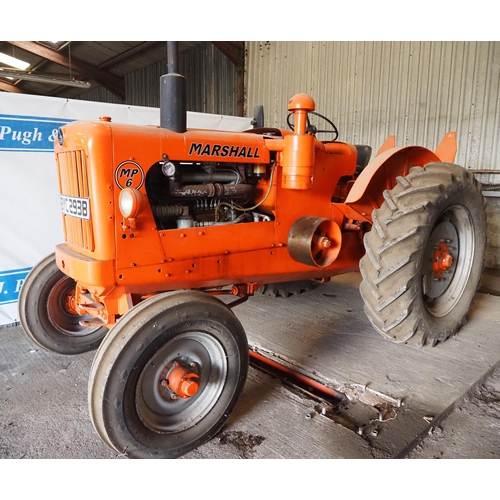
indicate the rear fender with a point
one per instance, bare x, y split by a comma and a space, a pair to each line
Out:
380, 174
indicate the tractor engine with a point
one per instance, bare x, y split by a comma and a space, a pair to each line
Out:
183, 194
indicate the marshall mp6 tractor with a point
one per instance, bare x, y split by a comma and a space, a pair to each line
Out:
160, 221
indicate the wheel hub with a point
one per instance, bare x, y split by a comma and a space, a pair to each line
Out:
181, 383
62, 311
441, 259
182, 380
69, 302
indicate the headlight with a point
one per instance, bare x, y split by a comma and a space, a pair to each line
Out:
130, 202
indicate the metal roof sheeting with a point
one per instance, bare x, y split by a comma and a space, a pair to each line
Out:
416, 91
211, 82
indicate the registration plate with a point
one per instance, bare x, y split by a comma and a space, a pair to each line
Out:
76, 207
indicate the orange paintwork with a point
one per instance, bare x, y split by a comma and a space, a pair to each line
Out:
441, 260
447, 148
389, 143
379, 175
117, 261
69, 302
182, 381
317, 386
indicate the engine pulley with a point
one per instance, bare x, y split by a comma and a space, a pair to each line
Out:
314, 241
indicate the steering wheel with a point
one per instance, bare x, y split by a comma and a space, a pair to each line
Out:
312, 128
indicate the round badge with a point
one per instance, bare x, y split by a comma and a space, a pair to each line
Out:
129, 174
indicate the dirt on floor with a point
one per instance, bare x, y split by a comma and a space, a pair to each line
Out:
472, 429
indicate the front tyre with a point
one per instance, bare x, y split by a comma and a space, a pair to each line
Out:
424, 255
168, 375
47, 313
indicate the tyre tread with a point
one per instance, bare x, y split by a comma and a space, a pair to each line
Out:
389, 282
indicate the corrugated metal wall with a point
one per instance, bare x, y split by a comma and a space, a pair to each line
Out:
211, 83
415, 90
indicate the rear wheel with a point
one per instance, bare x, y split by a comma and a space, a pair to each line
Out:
168, 375
424, 255
48, 315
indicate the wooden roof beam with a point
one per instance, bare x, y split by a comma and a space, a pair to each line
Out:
233, 51
110, 81
10, 88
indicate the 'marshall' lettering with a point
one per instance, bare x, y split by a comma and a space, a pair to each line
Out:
201, 149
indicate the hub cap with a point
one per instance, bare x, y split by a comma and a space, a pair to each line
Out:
181, 383
448, 260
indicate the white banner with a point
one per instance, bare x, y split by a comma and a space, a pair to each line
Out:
30, 207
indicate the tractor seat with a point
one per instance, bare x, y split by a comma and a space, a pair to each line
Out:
364, 155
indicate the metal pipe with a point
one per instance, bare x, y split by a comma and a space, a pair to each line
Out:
212, 191
172, 57
204, 177
298, 376
173, 94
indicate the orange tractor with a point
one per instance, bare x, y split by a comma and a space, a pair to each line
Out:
160, 221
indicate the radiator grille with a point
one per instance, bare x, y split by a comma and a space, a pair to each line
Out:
73, 176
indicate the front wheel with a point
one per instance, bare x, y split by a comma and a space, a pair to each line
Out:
48, 315
168, 375
424, 255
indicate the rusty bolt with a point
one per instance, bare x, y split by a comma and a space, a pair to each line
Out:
324, 242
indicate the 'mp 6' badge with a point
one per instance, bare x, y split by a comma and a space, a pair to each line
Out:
129, 174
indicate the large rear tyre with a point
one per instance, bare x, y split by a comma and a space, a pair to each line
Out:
424, 255
47, 314
168, 375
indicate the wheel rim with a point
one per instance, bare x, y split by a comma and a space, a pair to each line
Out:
160, 408
61, 311
448, 260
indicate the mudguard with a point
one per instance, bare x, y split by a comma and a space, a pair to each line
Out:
380, 174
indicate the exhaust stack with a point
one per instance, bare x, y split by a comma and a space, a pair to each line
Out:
173, 113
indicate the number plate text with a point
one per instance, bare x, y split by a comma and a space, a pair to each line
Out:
76, 207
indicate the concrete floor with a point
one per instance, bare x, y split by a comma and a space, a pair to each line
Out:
449, 396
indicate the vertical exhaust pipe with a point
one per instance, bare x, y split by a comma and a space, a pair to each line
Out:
173, 112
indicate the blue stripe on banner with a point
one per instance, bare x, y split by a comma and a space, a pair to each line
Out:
29, 133
10, 284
